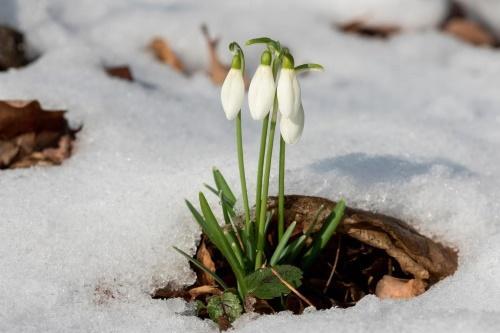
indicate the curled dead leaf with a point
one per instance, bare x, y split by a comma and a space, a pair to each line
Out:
30, 135
12, 49
362, 28
417, 254
391, 287
163, 52
205, 257
120, 72
204, 290
257, 305
370, 253
217, 70
469, 31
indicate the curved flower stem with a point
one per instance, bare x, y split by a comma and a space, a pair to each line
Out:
281, 195
265, 189
260, 168
241, 164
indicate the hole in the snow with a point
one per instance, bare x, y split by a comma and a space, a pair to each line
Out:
370, 254
32, 136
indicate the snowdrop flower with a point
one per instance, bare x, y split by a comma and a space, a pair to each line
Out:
288, 90
233, 89
262, 88
291, 127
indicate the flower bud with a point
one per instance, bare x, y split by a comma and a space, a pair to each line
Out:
233, 90
288, 89
291, 128
262, 89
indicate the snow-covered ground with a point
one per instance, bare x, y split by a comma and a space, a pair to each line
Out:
407, 126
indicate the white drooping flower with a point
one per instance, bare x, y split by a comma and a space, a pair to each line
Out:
262, 89
288, 89
233, 90
291, 127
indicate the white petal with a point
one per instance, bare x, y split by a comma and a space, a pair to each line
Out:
297, 102
288, 92
261, 92
291, 128
232, 93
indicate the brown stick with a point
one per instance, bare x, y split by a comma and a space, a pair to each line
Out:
289, 286
333, 268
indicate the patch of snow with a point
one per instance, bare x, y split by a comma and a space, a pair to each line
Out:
405, 14
407, 126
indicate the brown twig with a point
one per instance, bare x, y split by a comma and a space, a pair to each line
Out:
289, 286
333, 268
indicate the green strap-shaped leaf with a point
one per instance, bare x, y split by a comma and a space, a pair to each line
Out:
324, 235
222, 185
315, 220
222, 242
224, 201
207, 228
281, 245
295, 248
309, 67
202, 267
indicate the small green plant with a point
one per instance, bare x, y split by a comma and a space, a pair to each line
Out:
260, 271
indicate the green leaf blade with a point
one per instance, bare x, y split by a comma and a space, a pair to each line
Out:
227, 305
264, 284
281, 245
202, 267
324, 235
223, 186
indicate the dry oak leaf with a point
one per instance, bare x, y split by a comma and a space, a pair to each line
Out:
165, 54
469, 31
31, 136
121, 72
204, 256
417, 255
203, 290
12, 54
217, 70
364, 29
391, 287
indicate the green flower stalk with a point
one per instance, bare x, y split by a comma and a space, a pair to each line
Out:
232, 95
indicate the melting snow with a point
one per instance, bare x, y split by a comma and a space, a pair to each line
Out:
407, 126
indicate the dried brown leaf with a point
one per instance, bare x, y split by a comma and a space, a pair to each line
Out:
217, 70
120, 72
223, 323
204, 256
31, 136
12, 48
165, 54
362, 28
469, 31
391, 287
203, 290
417, 254
8, 151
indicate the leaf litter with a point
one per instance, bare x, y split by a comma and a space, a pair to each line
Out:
30, 135
370, 253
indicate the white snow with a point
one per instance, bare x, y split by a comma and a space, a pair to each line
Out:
407, 126
405, 14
